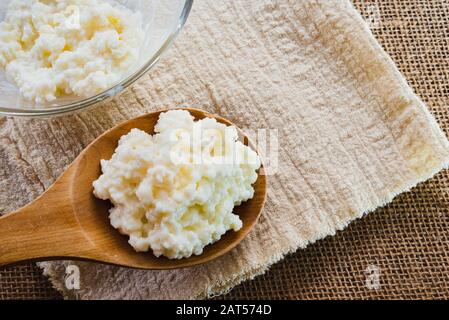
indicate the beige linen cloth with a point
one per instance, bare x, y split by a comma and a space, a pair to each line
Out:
352, 134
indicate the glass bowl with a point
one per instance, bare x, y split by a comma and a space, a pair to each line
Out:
162, 21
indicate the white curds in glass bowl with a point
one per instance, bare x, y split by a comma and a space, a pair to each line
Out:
162, 20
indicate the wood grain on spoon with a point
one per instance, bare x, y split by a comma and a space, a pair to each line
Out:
67, 221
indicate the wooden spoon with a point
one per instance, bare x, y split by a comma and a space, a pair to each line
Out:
68, 221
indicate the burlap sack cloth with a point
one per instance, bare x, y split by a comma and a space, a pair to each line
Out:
352, 133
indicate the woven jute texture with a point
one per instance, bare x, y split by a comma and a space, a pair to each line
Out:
407, 241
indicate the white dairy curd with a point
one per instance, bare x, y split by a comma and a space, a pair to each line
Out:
174, 192
67, 47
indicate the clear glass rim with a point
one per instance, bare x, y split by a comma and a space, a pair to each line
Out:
113, 91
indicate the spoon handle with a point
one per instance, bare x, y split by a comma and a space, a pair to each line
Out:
46, 228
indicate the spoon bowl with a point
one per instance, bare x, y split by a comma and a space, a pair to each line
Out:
69, 222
